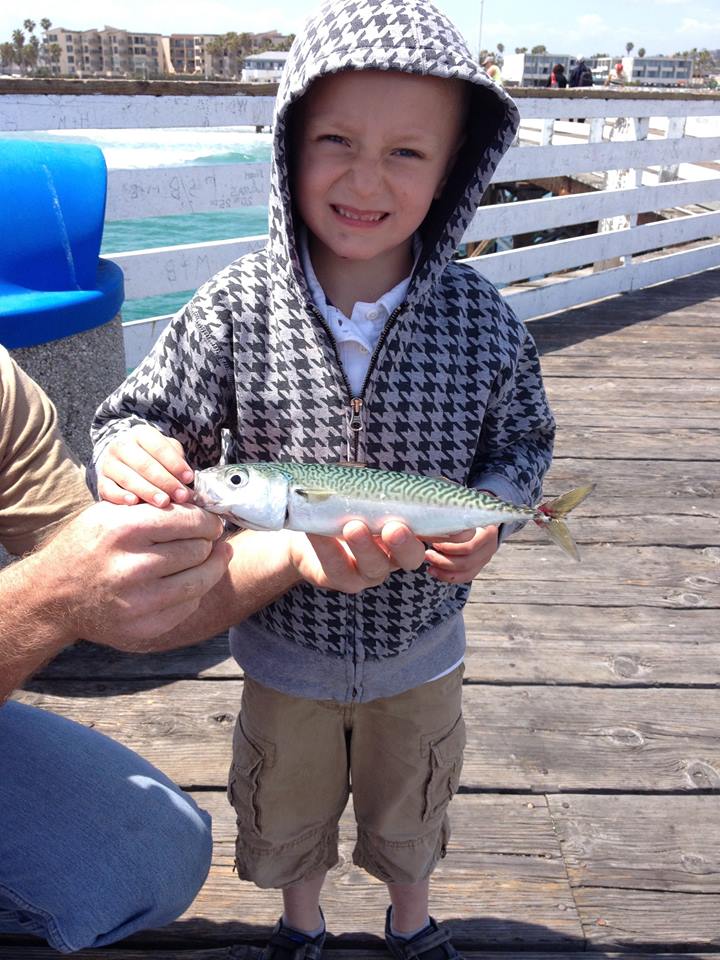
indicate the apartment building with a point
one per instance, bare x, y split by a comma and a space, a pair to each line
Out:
109, 52
649, 71
533, 69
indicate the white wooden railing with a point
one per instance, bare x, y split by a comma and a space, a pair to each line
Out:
643, 153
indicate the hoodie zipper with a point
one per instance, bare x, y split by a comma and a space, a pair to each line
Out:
355, 426
356, 404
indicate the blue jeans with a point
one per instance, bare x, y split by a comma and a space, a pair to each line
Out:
95, 843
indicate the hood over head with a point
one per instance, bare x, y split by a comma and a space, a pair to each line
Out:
411, 36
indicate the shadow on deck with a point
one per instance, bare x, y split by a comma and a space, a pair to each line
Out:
588, 816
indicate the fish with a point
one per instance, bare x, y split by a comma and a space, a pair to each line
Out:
322, 498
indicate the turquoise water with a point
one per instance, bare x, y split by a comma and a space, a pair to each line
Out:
123, 235
172, 147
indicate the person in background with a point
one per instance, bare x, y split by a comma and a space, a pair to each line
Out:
557, 77
95, 842
616, 77
492, 69
581, 74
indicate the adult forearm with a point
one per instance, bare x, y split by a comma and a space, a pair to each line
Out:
32, 628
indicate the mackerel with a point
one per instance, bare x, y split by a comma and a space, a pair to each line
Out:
318, 498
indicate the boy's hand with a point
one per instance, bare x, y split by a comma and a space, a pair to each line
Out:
358, 560
461, 557
144, 464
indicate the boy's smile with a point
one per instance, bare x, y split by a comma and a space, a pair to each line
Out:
373, 150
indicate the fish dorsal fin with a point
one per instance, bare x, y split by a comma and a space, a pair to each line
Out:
314, 496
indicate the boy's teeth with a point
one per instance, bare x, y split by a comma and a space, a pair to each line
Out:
371, 217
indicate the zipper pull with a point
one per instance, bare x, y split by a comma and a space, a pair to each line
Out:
355, 418
355, 425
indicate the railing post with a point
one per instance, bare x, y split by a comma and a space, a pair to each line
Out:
624, 128
675, 130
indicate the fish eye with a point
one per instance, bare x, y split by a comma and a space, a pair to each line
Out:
239, 479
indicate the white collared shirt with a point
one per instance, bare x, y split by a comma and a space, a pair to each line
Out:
356, 336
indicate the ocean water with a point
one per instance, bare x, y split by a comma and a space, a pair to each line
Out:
134, 148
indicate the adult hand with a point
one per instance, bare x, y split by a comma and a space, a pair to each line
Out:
120, 575
143, 464
459, 558
357, 560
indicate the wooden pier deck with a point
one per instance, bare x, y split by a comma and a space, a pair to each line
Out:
589, 813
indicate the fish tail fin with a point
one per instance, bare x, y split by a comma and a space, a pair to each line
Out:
555, 510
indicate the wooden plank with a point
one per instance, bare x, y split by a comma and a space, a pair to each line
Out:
522, 643
687, 482
640, 843
180, 268
531, 738
532, 163
620, 367
599, 441
658, 920
546, 213
610, 574
647, 867
636, 390
201, 188
104, 112
563, 294
557, 255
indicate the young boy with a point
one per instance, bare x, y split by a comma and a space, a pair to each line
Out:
352, 336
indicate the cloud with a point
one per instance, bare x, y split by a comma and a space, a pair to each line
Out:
690, 25
592, 23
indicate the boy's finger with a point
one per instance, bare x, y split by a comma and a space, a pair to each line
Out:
469, 544
373, 563
165, 450
111, 492
404, 548
134, 484
140, 473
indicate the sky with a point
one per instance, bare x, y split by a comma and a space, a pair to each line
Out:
660, 26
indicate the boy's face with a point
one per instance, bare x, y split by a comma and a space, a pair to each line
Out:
373, 150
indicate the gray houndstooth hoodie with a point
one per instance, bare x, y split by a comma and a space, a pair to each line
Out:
453, 389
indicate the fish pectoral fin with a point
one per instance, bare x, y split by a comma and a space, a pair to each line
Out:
313, 496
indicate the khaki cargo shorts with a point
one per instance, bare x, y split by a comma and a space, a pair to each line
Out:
294, 761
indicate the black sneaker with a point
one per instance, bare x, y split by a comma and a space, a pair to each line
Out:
432, 943
288, 944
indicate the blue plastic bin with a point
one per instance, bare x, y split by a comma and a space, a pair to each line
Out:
52, 206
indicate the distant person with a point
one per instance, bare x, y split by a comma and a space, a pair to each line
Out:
492, 69
616, 77
557, 78
353, 335
581, 74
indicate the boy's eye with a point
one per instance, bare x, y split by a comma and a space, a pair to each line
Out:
406, 152
333, 138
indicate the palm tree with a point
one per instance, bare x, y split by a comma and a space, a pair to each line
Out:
29, 25
520, 49
641, 51
18, 42
54, 51
7, 55
540, 48
45, 24
629, 47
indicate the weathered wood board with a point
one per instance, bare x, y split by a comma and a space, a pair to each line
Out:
535, 738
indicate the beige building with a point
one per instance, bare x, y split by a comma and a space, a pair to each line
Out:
109, 52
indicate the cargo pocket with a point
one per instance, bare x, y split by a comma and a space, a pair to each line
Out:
251, 755
444, 751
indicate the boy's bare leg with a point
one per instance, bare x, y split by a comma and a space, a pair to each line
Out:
301, 904
410, 905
